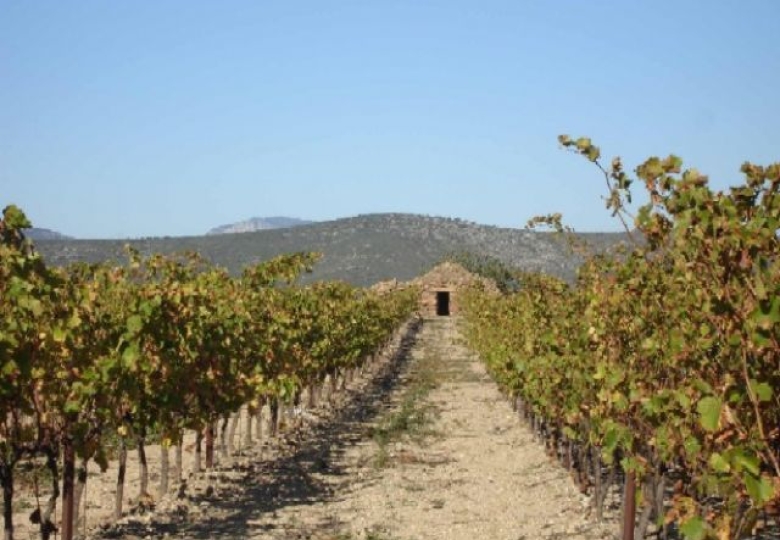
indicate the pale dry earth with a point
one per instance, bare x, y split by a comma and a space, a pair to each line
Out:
473, 472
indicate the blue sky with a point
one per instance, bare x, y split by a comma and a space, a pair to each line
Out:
127, 119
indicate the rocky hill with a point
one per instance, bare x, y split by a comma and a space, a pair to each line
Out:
361, 250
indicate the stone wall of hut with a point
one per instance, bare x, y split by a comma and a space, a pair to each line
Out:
447, 277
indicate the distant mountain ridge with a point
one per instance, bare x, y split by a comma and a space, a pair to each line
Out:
361, 250
38, 233
259, 224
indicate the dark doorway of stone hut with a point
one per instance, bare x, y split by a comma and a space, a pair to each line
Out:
443, 303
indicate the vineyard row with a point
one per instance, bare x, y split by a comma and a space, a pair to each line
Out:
660, 365
92, 354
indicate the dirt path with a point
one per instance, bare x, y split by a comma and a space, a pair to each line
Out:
428, 449
481, 474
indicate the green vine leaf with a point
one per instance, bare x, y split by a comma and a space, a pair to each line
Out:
709, 412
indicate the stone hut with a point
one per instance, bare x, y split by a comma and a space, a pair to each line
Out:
439, 288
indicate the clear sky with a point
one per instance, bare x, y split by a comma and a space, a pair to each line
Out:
145, 118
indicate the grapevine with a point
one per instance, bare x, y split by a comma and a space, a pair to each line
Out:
158, 346
662, 357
